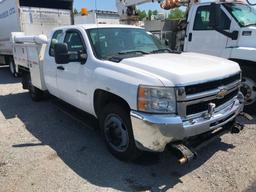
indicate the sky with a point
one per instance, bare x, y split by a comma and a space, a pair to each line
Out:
109, 5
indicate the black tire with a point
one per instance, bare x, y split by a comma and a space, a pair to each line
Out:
111, 131
250, 89
35, 93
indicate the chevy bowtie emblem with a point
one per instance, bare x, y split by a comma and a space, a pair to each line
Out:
222, 93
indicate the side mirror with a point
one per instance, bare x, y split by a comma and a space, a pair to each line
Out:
61, 53
215, 15
83, 57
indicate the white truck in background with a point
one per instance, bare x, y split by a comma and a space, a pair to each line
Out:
145, 96
30, 17
223, 29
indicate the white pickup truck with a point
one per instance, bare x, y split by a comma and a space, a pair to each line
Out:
144, 95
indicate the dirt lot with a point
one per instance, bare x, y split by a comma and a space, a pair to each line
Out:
42, 148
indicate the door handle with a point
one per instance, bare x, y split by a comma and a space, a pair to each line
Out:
190, 37
61, 68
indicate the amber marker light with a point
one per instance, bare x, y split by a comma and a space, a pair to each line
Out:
141, 98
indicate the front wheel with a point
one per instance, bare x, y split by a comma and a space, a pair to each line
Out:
117, 132
248, 87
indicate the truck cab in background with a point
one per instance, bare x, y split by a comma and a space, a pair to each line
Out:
226, 30
223, 29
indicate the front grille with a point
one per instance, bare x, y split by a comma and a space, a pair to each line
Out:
200, 107
199, 88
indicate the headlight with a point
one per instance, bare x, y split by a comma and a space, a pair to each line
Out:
156, 99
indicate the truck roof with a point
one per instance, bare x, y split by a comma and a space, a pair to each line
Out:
94, 26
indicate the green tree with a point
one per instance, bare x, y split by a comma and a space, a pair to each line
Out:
155, 12
141, 14
150, 13
176, 14
75, 11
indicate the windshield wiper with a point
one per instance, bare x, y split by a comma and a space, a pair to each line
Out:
132, 52
114, 58
125, 54
164, 51
252, 24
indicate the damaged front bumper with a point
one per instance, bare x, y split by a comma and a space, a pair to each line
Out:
152, 132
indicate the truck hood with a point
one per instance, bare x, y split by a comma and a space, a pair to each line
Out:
184, 68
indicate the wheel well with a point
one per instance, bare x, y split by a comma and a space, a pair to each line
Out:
25, 74
8, 58
102, 98
243, 63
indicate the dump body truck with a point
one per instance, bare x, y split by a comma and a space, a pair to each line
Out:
32, 17
144, 95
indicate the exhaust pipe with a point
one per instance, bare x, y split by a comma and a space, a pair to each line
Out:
184, 153
237, 127
187, 153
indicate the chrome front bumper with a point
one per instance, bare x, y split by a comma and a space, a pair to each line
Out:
152, 132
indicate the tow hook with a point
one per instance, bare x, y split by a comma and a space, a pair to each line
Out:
185, 154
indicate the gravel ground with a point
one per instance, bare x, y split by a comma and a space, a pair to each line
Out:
42, 148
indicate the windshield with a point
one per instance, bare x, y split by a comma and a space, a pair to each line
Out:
244, 14
109, 42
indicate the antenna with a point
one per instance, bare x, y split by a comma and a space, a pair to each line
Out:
98, 33
96, 8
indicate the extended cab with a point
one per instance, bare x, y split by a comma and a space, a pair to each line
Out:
144, 95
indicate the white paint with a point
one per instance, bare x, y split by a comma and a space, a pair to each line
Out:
214, 43
121, 78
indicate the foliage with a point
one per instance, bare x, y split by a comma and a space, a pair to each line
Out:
150, 13
75, 12
176, 14
146, 15
142, 14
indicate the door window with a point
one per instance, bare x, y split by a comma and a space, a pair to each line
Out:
202, 19
75, 45
56, 38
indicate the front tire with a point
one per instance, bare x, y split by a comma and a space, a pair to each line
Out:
116, 128
248, 88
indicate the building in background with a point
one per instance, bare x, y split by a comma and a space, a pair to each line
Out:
159, 16
98, 17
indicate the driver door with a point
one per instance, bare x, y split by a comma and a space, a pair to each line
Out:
68, 75
202, 38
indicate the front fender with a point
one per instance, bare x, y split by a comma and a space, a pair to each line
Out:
244, 53
123, 83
